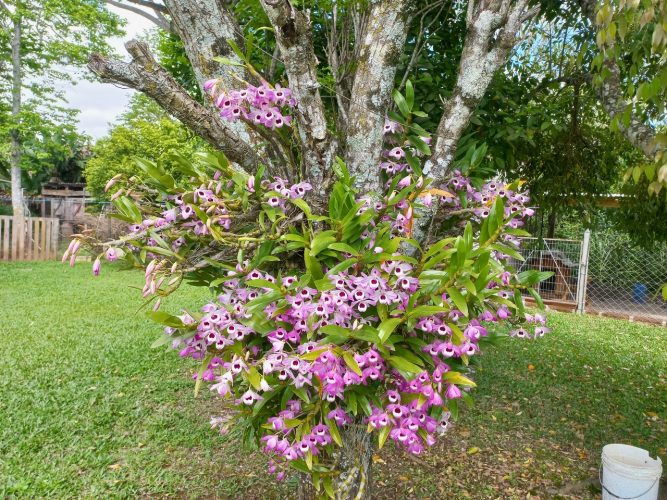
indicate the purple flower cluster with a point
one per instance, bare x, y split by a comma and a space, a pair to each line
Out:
261, 105
298, 355
303, 311
279, 191
539, 330
406, 410
283, 447
382, 340
209, 199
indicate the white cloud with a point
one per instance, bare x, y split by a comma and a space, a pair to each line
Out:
101, 103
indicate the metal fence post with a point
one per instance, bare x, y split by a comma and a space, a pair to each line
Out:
582, 281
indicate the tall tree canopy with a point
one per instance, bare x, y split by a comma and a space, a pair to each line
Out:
40, 38
51, 146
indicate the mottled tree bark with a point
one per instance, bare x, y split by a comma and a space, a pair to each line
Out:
492, 30
355, 460
353, 464
294, 36
493, 27
15, 155
204, 27
382, 44
146, 75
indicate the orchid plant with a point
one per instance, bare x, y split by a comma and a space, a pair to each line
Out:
326, 315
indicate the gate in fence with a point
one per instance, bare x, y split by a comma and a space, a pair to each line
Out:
567, 260
594, 277
28, 238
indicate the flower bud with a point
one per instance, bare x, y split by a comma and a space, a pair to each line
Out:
111, 182
96, 267
112, 255
150, 267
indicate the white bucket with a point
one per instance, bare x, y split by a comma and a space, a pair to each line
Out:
629, 473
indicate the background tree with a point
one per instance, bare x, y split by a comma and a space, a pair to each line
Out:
143, 131
52, 147
42, 37
631, 76
541, 120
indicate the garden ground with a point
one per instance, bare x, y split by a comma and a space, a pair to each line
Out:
88, 409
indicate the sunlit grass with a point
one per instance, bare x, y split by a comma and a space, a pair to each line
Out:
88, 409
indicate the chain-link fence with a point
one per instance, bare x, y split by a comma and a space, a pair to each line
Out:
625, 280
603, 273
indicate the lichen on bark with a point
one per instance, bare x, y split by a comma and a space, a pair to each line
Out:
384, 37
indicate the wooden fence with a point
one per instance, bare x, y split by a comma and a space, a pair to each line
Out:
28, 238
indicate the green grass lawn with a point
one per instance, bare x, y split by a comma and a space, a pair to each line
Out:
88, 409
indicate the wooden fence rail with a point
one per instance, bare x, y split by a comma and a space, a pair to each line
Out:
28, 238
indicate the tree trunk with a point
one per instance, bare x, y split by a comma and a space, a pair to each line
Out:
493, 28
15, 157
381, 46
294, 38
204, 26
641, 135
353, 462
551, 231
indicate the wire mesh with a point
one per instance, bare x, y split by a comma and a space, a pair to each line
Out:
561, 257
626, 280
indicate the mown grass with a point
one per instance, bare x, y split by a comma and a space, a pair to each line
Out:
88, 409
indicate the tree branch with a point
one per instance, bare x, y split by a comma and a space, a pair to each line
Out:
641, 135
493, 27
5, 8
144, 74
204, 27
157, 7
381, 47
610, 93
332, 48
294, 37
420, 35
160, 22
164, 20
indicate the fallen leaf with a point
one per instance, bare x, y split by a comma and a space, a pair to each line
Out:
473, 450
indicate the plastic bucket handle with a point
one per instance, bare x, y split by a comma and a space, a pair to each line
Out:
600, 478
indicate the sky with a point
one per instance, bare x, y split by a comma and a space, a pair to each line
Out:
100, 103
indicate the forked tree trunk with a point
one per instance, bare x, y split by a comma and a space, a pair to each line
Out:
353, 462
